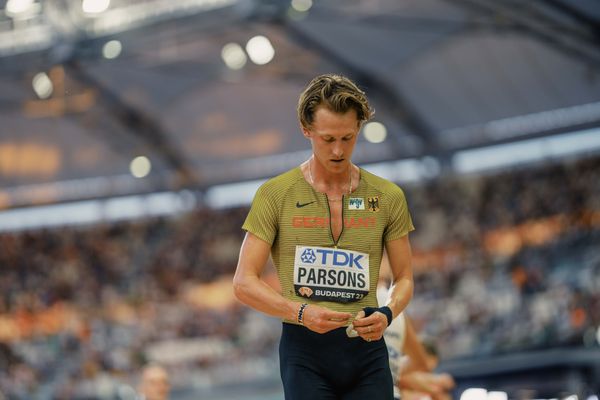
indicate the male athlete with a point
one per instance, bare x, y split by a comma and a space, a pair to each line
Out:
325, 224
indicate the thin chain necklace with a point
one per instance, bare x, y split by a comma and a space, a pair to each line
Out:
312, 181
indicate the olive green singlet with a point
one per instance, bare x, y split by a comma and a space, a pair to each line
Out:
293, 218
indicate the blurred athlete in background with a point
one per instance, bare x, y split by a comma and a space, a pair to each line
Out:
412, 361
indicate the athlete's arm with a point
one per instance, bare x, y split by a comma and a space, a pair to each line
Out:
414, 349
399, 254
251, 290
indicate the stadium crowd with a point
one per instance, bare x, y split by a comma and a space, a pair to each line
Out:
503, 262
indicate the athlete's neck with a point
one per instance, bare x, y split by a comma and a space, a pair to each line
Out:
331, 184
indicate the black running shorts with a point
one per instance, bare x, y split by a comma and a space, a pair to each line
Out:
333, 366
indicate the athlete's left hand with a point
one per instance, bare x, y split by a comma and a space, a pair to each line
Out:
372, 327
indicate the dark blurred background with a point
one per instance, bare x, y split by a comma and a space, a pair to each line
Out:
133, 134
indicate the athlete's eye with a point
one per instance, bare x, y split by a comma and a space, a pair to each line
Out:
347, 138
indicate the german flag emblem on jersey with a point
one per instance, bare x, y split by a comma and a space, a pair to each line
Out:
373, 203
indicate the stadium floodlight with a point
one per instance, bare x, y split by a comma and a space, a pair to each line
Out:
375, 132
260, 50
17, 7
232, 194
301, 5
42, 85
233, 56
497, 395
474, 394
526, 151
140, 167
94, 211
112, 49
95, 6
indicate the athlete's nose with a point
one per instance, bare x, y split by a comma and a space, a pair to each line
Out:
338, 150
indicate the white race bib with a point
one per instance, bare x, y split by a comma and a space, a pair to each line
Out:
328, 274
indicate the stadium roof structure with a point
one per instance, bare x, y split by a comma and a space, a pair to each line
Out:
88, 85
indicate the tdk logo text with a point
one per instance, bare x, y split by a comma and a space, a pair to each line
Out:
337, 258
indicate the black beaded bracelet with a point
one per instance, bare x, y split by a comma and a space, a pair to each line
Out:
301, 313
385, 310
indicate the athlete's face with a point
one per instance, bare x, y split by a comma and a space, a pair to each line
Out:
333, 137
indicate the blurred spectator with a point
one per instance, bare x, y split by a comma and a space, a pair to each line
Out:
154, 384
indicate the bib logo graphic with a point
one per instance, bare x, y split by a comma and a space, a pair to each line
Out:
373, 203
308, 256
305, 291
356, 203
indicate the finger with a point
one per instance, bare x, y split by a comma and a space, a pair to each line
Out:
370, 320
336, 316
359, 322
329, 325
434, 388
446, 381
369, 333
370, 337
334, 319
366, 330
324, 314
375, 328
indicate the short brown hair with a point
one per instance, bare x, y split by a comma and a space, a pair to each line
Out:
337, 93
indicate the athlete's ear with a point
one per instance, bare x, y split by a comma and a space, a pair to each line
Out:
306, 132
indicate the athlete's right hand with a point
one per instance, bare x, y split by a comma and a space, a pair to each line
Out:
321, 320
